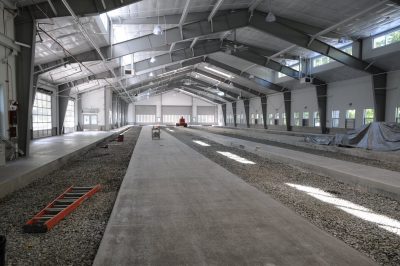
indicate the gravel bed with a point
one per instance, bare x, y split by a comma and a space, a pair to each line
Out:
335, 155
75, 240
270, 177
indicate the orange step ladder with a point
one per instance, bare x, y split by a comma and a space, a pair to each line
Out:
58, 209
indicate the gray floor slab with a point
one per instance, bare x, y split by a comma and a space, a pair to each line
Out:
374, 179
45, 155
176, 207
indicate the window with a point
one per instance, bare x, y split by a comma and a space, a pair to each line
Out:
145, 118
41, 115
175, 118
209, 119
348, 50
323, 60
276, 119
397, 115
252, 119
104, 20
306, 117
335, 118
368, 116
296, 117
350, 118
295, 67
317, 119
284, 118
384, 40
69, 121
270, 119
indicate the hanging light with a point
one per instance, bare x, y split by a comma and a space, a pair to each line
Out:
270, 16
152, 59
151, 74
157, 30
220, 93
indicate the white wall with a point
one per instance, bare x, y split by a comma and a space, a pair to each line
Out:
171, 98
304, 100
358, 92
94, 100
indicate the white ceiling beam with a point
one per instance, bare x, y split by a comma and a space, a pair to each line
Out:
194, 42
215, 9
185, 12
254, 5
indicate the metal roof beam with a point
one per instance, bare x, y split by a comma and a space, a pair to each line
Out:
215, 9
301, 39
82, 8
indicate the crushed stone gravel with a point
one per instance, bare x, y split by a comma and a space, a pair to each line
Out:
75, 240
270, 177
335, 155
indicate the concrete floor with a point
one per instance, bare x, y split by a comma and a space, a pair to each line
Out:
45, 155
176, 207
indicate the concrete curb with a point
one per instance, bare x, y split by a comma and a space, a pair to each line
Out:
11, 185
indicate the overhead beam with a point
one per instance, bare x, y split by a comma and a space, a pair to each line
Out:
262, 82
301, 39
230, 82
215, 9
184, 13
56, 8
209, 85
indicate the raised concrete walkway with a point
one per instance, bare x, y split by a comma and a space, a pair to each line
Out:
374, 179
46, 155
176, 207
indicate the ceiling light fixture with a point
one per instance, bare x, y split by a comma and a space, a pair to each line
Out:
220, 93
218, 72
152, 59
151, 74
270, 16
157, 30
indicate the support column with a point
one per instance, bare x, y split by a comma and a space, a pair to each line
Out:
322, 98
246, 103
25, 32
63, 97
234, 113
379, 83
264, 110
223, 106
287, 98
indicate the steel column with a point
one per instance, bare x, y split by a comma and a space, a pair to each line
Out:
234, 113
25, 32
287, 98
223, 106
246, 103
380, 83
322, 98
63, 97
264, 110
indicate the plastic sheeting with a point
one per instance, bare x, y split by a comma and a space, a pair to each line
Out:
376, 136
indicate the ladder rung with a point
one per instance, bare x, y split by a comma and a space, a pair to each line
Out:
74, 194
82, 188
